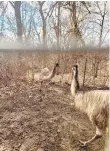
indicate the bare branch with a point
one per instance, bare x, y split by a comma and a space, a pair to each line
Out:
51, 10
12, 4
96, 23
85, 5
41, 3
4, 9
1, 2
99, 8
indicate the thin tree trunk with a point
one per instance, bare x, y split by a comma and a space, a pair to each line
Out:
43, 23
58, 35
16, 5
101, 31
75, 27
18, 19
58, 26
102, 22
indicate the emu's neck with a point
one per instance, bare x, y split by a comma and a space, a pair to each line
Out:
75, 74
51, 75
74, 84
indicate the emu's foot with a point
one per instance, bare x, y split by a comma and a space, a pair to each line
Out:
83, 144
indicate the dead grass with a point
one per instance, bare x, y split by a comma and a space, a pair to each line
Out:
30, 119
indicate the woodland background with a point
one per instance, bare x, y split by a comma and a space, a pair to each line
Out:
54, 26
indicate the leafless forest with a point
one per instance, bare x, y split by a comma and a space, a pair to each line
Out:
37, 116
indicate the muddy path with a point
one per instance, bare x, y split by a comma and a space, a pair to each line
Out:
42, 120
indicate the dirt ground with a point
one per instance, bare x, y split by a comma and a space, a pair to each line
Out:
42, 120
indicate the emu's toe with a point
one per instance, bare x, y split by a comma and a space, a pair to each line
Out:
83, 144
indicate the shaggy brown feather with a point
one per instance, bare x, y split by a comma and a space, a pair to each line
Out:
95, 104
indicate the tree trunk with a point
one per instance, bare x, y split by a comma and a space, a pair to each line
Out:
43, 24
76, 30
18, 19
58, 36
76, 34
58, 26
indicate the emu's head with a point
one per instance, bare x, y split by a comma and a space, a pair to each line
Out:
56, 64
56, 67
75, 70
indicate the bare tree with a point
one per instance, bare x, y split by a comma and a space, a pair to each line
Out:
17, 5
56, 24
43, 21
102, 14
74, 29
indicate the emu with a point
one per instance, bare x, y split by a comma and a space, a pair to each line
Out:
50, 75
44, 76
94, 103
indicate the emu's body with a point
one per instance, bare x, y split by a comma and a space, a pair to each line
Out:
50, 75
42, 77
95, 104
45, 71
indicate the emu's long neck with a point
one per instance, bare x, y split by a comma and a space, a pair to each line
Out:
51, 75
74, 84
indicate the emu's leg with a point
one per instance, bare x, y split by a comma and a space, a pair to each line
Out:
41, 83
97, 135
